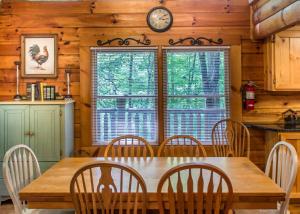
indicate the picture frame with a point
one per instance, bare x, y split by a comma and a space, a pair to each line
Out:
39, 56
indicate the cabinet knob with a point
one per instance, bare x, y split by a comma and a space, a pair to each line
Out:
30, 134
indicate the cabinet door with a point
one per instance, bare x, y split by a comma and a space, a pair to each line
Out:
294, 139
14, 126
287, 63
269, 65
45, 132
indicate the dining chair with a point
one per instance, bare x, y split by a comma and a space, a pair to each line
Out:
128, 146
106, 187
282, 166
21, 167
181, 146
230, 138
194, 188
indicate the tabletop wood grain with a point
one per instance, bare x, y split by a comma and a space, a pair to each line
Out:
251, 188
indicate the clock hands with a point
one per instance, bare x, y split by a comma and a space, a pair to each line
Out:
161, 17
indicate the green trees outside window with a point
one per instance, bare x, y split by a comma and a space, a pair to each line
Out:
125, 85
196, 93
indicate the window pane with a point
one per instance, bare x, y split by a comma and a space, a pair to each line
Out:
124, 88
197, 93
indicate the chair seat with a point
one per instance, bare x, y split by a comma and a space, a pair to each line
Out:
48, 211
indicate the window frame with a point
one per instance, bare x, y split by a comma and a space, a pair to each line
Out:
93, 95
234, 61
227, 77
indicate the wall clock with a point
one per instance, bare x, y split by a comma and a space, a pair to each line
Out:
159, 19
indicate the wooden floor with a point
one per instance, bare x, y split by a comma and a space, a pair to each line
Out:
7, 208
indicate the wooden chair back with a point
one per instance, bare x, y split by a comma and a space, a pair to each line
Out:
181, 146
107, 187
128, 146
230, 138
20, 167
195, 188
282, 166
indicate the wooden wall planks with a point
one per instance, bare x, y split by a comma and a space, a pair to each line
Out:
269, 105
81, 24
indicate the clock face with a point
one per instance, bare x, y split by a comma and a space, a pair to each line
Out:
160, 19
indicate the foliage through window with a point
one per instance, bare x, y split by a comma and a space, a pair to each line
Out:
125, 99
197, 91
124, 93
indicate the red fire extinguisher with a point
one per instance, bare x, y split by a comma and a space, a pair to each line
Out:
249, 95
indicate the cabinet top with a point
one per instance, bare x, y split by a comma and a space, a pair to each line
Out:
46, 102
275, 127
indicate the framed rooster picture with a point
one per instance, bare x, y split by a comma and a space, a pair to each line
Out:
39, 56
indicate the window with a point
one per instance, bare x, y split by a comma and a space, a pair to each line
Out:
125, 99
196, 93
124, 93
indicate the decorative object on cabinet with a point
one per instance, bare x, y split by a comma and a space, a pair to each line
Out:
196, 41
28, 90
68, 71
46, 127
125, 42
49, 92
34, 91
159, 19
290, 118
39, 56
17, 97
42, 91
281, 61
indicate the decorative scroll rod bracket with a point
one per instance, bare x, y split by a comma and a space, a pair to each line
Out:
125, 42
196, 41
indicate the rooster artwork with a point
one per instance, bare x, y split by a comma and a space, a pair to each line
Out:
40, 57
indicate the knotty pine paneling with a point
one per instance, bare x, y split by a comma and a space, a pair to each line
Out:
80, 24
269, 105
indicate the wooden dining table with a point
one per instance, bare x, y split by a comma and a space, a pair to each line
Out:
251, 188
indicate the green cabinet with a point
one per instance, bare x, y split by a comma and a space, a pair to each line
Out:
46, 127
14, 124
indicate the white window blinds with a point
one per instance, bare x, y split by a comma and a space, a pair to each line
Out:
196, 95
124, 92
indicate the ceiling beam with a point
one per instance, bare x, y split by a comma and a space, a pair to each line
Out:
269, 9
274, 16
